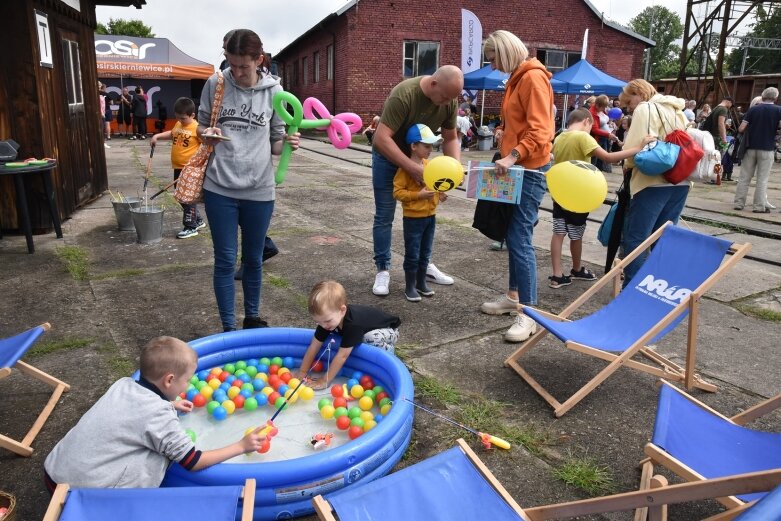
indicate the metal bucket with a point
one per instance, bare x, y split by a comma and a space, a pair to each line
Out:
149, 224
122, 211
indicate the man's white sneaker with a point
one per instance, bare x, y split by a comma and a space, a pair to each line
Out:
521, 330
500, 306
381, 283
437, 277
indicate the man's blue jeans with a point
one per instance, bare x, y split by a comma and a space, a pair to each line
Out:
523, 261
226, 215
649, 209
418, 242
383, 172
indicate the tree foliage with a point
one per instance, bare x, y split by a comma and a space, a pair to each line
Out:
120, 26
664, 27
767, 24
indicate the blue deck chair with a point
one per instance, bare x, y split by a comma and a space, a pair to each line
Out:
11, 350
152, 504
681, 267
697, 443
769, 507
457, 485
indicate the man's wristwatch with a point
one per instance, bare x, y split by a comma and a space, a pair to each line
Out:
515, 154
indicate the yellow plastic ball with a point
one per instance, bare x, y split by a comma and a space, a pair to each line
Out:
385, 409
214, 383
306, 393
266, 391
229, 406
206, 391
366, 416
233, 392
216, 370
443, 173
327, 412
283, 370
262, 376
290, 397
369, 425
294, 383
577, 186
365, 403
356, 391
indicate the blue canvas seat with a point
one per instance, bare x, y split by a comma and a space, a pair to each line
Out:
456, 484
152, 504
11, 351
697, 443
680, 268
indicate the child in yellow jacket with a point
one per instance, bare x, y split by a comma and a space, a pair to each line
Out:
419, 205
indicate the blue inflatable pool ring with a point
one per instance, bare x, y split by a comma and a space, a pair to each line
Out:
285, 488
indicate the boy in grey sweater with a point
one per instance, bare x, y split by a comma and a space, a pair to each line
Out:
132, 433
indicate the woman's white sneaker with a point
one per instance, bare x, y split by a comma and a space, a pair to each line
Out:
437, 277
521, 330
381, 283
501, 306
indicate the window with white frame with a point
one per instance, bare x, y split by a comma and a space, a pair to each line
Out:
555, 60
317, 66
305, 70
420, 58
72, 67
330, 73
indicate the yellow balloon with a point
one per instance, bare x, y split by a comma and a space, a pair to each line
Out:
443, 173
577, 186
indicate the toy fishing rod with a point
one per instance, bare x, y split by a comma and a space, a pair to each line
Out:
303, 379
486, 439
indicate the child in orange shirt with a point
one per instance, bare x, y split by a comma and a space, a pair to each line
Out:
185, 144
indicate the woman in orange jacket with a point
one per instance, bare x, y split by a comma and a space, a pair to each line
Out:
524, 140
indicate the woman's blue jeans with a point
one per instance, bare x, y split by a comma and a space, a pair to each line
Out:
226, 215
383, 172
523, 260
418, 242
649, 209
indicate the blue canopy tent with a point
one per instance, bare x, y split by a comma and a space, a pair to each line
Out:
584, 78
485, 79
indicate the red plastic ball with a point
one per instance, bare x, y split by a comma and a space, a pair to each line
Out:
239, 401
286, 377
318, 367
337, 391
273, 369
237, 383
199, 400
183, 396
354, 432
274, 381
273, 397
340, 402
343, 422
380, 396
367, 382
223, 375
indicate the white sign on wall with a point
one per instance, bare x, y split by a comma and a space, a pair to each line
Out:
44, 39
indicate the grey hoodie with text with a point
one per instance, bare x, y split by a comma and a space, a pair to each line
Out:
241, 168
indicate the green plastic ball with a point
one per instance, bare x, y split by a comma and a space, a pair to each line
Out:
247, 387
250, 404
384, 401
229, 368
251, 371
265, 361
241, 364
370, 393
357, 421
323, 402
354, 412
211, 406
339, 412
377, 389
239, 372
194, 379
200, 384
276, 361
280, 401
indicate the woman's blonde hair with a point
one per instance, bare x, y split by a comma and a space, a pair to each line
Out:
602, 101
509, 51
637, 87
327, 295
591, 100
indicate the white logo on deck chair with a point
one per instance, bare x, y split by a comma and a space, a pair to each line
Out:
660, 289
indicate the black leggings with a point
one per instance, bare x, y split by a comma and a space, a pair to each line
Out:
139, 125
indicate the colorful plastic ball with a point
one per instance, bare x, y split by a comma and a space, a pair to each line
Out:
223, 375
239, 372
190, 387
215, 383
367, 425
183, 395
385, 409
378, 397
443, 173
267, 390
378, 389
274, 381
282, 389
252, 371
371, 394
306, 393
229, 406
247, 387
262, 376
244, 377
273, 369
337, 391
224, 386
250, 404
290, 397
246, 393
286, 377
206, 392
318, 367
283, 370
322, 402
339, 412
327, 412
191, 394
219, 396
357, 375
199, 400
356, 391
201, 384
265, 361
277, 360
194, 379
354, 432
366, 416
378, 418
342, 423
261, 398
258, 384
340, 402
365, 403
252, 362
357, 421
354, 412
219, 413
273, 397
367, 382
191, 434
241, 364
211, 406
279, 402
352, 382
229, 368
239, 401
237, 383
215, 371
263, 368
384, 402
288, 361
293, 382
230, 379
233, 392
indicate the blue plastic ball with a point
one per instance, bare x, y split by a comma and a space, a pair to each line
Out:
288, 362
258, 384
203, 375
357, 375
245, 393
191, 394
219, 396
229, 380
261, 398
224, 386
283, 389
262, 368
253, 362
351, 383
378, 418
244, 377
220, 413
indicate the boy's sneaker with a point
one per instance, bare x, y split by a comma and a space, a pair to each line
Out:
132, 138
437, 277
381, 283
200, 224
253, 323
558, 282
583, 274
501, 306
187, 233
521, 330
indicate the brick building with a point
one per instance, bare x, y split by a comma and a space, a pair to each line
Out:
352, 58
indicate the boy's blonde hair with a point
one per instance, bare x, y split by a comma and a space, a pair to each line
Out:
164, 355
579, 115
327, 295
509, 51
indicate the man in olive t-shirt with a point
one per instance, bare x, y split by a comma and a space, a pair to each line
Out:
432, 101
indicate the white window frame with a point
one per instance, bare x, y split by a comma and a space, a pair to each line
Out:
414, 59
317, 66
72, 72
330, 73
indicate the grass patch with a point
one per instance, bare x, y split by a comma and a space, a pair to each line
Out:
302, 302
410, 455
449, 221
586, 474
486, 416
404, 351
277, 281
443, 392
52, 346
75, 260
531, 437
761, 313
121, 366
121, 274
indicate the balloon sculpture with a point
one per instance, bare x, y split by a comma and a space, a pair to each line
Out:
339, 128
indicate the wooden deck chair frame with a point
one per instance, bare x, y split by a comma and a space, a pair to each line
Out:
57, 503
664, 367
655, 500
657, 456
24, 447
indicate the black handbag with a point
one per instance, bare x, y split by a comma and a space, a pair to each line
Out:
492, 219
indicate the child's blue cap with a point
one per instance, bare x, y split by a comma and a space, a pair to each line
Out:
420, 133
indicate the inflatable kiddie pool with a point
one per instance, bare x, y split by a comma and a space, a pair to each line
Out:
285, 488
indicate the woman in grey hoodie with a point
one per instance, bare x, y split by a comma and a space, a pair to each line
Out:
239, 185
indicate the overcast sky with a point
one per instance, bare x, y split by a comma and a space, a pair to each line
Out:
201, 35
